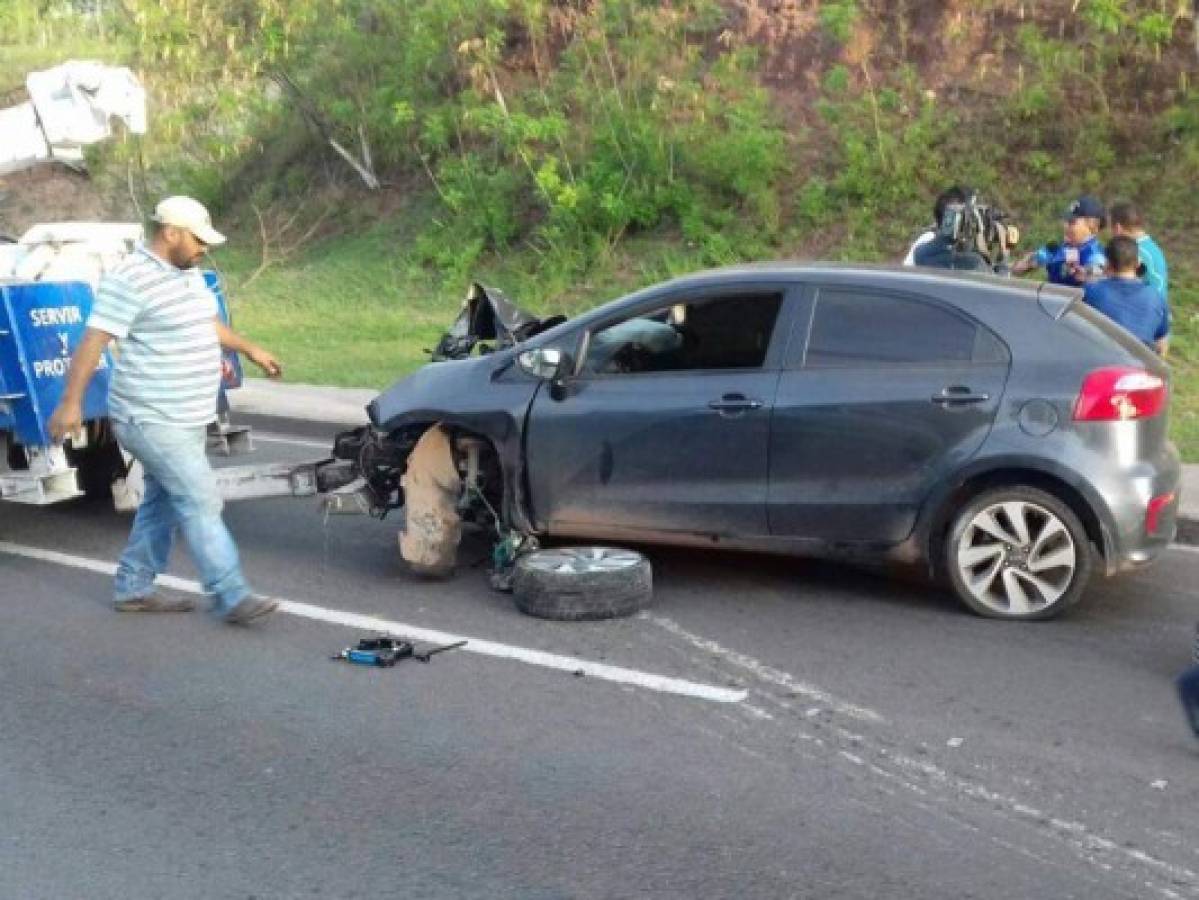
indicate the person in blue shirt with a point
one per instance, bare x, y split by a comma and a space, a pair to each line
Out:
1127, 300
1126, 219
1079, 258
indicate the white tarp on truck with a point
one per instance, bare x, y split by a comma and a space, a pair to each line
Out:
68, 251
69, 107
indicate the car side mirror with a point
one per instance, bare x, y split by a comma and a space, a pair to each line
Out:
554, 366
547, 364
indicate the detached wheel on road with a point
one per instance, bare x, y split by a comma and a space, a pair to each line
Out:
1018, 553
576, 584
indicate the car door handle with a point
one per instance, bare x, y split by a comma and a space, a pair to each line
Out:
959, 394
734, 403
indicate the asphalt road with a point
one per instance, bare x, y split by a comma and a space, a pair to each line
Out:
888, 744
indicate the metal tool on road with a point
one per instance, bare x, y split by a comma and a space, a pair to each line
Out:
384, 652
424, 657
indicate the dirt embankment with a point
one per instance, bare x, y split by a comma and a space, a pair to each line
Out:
54, 193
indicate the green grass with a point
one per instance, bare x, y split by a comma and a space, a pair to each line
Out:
342, 314
1184, 362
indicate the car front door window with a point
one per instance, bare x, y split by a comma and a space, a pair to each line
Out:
710, 334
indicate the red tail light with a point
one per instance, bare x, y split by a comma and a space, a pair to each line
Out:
1153, 513
1118, 393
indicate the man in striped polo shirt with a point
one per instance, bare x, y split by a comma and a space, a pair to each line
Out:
162, 395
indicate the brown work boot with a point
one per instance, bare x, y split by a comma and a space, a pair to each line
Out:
154, 603
249, 608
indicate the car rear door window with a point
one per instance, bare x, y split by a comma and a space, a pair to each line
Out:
855, 328
726, 332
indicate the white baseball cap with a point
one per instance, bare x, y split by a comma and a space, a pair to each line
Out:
184, 212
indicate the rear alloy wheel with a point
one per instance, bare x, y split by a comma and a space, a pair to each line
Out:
1018, 553
581, 583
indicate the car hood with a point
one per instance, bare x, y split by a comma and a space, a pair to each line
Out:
438, 388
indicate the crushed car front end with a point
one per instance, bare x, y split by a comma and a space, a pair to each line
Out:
475, 394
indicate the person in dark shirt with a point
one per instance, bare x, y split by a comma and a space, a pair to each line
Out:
1079, 259
951, 195
940, 253
1126, 299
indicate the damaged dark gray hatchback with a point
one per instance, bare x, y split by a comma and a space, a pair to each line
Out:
998, 430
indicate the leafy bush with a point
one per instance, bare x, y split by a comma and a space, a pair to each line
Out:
838, 17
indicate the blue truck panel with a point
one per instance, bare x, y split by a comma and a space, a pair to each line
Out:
231, 371
41, 325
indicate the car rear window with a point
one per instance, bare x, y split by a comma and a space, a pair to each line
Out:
854, 328
1101, 329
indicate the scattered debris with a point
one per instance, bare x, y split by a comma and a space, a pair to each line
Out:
424, 657
955, 742
508, 549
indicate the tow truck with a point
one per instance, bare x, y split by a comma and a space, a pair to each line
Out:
47, 287
48, 278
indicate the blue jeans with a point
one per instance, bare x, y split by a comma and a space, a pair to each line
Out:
180, 493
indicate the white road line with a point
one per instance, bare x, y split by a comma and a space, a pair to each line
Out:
271, 438
617, 674
766, 673
1086, 841
1185, 548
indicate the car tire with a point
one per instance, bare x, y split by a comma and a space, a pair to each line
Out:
575, 584
1018, 553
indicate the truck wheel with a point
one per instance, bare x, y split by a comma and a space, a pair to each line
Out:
15, 457
97, 465
582, 583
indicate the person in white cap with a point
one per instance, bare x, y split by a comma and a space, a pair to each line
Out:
162, 395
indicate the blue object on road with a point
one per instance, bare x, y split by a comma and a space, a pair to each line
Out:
1188, 692
41, 325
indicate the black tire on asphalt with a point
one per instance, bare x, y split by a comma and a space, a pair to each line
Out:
582, 591
97, 465
1084, 550
15, 457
